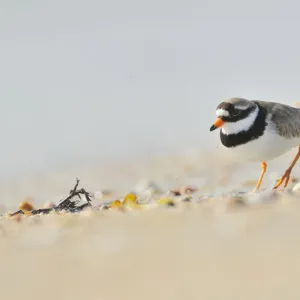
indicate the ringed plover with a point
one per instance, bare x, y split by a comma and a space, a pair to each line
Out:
259, 131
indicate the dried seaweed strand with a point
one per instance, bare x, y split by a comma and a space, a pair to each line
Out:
65, 204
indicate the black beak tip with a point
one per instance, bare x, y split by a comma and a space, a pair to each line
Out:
212, 128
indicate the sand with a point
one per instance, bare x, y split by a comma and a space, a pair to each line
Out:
229, 245
199, 252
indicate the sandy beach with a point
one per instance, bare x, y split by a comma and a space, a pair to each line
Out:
211, 250
231, 245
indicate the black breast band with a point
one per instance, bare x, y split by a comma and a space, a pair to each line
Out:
255, 131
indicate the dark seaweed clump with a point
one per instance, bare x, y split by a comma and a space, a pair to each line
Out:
68, 204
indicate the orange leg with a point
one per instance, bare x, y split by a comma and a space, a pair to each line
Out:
286, 176
263, 171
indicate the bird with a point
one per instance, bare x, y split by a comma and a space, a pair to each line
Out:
259, 131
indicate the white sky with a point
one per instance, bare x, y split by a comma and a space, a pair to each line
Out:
84, 80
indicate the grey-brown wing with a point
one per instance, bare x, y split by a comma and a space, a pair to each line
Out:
285, 118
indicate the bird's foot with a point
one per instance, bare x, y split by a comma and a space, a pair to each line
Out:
284, 179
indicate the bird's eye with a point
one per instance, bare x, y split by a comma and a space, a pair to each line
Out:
236, 112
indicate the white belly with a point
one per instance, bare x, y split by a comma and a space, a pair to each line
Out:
267, 147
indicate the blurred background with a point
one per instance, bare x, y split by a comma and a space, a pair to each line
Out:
86, 84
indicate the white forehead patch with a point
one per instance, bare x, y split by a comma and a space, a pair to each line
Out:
222, 113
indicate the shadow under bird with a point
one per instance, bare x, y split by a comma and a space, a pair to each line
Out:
259, 131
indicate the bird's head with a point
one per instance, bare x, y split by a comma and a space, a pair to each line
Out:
235, 115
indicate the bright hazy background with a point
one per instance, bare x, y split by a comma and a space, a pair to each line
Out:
89, 81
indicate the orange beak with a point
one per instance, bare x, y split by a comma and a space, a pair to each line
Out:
218, 123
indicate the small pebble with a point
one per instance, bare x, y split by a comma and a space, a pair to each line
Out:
175, 192
166, 201
26, 206
16, 218
49, 204
171, 204
187, 190
130, 199
296, 188
186, 199
183, 190
116, 204
104, 207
